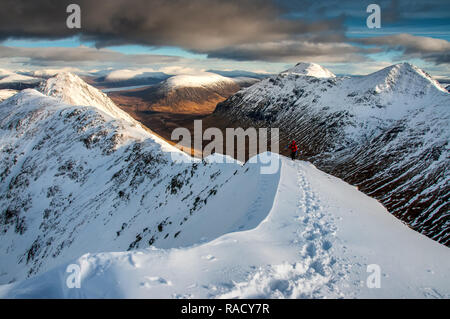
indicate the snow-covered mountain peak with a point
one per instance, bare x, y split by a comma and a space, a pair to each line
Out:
83, 173
189, 94
63, 84
310, 69
401, 76
71, 89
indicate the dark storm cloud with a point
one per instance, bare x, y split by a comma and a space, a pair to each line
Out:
49, 55
392, 10
294, 51
197, 25
268, 30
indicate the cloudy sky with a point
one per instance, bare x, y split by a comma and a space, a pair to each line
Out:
187, 36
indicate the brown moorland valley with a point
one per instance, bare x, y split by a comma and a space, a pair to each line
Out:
164, 123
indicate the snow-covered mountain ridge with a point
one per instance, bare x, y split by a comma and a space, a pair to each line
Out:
386, 132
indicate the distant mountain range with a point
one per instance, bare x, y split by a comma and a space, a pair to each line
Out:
17, 81
117, 79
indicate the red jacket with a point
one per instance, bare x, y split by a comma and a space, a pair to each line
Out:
293, 146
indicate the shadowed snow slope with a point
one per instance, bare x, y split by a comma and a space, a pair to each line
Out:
316, 242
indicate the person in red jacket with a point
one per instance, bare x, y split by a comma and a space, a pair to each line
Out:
294, 148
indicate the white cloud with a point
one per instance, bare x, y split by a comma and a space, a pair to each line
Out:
176, 69
126, 74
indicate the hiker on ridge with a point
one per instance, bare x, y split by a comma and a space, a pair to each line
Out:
294, 149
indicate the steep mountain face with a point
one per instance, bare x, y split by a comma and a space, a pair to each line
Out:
188, 94
386, 133
77, 179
